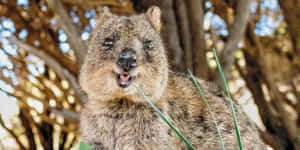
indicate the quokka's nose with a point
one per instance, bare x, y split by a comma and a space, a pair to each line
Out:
127, 59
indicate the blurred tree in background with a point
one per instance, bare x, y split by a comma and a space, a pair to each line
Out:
43, 42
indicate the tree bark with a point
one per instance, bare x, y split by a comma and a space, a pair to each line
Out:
61, 71
291, 13
236, 33
184, 32
195, 15
66, 23
254, 82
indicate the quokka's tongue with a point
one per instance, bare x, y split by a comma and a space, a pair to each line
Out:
124, 77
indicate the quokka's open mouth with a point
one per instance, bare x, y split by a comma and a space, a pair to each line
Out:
124, 79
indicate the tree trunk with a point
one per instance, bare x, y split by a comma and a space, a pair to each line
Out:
184, 32
195, 15
27, 124
236, 34
261, 59
291, 13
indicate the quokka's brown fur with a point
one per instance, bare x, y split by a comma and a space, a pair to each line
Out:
116, 118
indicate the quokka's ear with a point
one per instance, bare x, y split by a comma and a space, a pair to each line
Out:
154, 15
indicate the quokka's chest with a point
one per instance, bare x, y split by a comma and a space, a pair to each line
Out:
133, 131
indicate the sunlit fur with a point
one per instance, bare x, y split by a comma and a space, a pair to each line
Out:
116, 118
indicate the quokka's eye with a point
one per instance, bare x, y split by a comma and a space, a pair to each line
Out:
148, 45
109, 42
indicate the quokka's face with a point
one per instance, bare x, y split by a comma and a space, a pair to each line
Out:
125, 52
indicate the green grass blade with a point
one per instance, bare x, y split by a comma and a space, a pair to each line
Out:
84, 146
165, 119
230, 100
209, 109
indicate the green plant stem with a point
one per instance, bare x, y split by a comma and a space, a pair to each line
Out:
165, 119
209, 109
230, 100
84, 146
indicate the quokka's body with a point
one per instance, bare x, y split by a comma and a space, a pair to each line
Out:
126, 52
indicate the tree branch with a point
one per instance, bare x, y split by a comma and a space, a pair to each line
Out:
20, 93
61, 72
236, 33
174, 48
21, 146
124, 6
279, 123
65, 22
221, 8
94, 3
184, 31
291, 13
195, 12
67, 114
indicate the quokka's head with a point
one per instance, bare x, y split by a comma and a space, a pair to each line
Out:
125, 52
